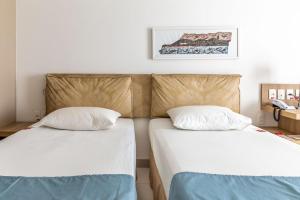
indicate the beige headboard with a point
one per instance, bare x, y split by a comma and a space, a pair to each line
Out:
168, 91
64, 90
173, 90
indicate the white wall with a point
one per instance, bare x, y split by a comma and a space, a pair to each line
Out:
7, 61
113, 36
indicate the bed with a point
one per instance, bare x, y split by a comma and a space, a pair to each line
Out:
46, 163
238, 164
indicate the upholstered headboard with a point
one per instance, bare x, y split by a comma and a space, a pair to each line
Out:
131, 94
173, 90
128, 94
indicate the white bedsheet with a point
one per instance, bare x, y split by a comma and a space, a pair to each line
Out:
245, 152
49, 152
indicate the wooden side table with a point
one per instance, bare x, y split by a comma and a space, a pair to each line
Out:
289, 119
13, 128
281, 133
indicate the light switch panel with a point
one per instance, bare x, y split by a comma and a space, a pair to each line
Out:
281, 94
272, 94
290, 94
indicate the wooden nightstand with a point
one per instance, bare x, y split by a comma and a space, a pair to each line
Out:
13, 128
281, 133
289, 119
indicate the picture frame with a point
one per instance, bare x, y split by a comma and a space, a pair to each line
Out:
195, 42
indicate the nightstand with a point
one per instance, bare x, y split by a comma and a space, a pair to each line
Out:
281, 133
12, 128
289, 119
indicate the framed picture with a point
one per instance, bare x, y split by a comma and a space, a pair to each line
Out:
195, 42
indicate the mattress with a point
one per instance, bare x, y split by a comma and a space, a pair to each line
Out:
245, 152
47, 153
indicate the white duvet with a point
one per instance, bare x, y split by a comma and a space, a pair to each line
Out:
244, 152
46, 152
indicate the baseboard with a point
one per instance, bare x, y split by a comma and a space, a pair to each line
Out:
142, 163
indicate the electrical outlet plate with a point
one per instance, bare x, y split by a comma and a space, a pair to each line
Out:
290, 91
281, 94
272, 94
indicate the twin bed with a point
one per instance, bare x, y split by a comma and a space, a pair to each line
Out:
245, 164
46, 163
239, 164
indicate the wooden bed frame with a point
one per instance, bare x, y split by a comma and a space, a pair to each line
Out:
155, 180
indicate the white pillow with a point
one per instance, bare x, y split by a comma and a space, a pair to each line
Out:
207, 118
80, 118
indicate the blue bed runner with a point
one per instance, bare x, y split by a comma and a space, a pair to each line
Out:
86, 187
192, 186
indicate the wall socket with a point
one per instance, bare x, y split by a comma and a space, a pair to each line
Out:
290, 91
272, 94
281, 94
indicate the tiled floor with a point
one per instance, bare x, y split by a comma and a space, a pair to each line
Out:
143, 184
